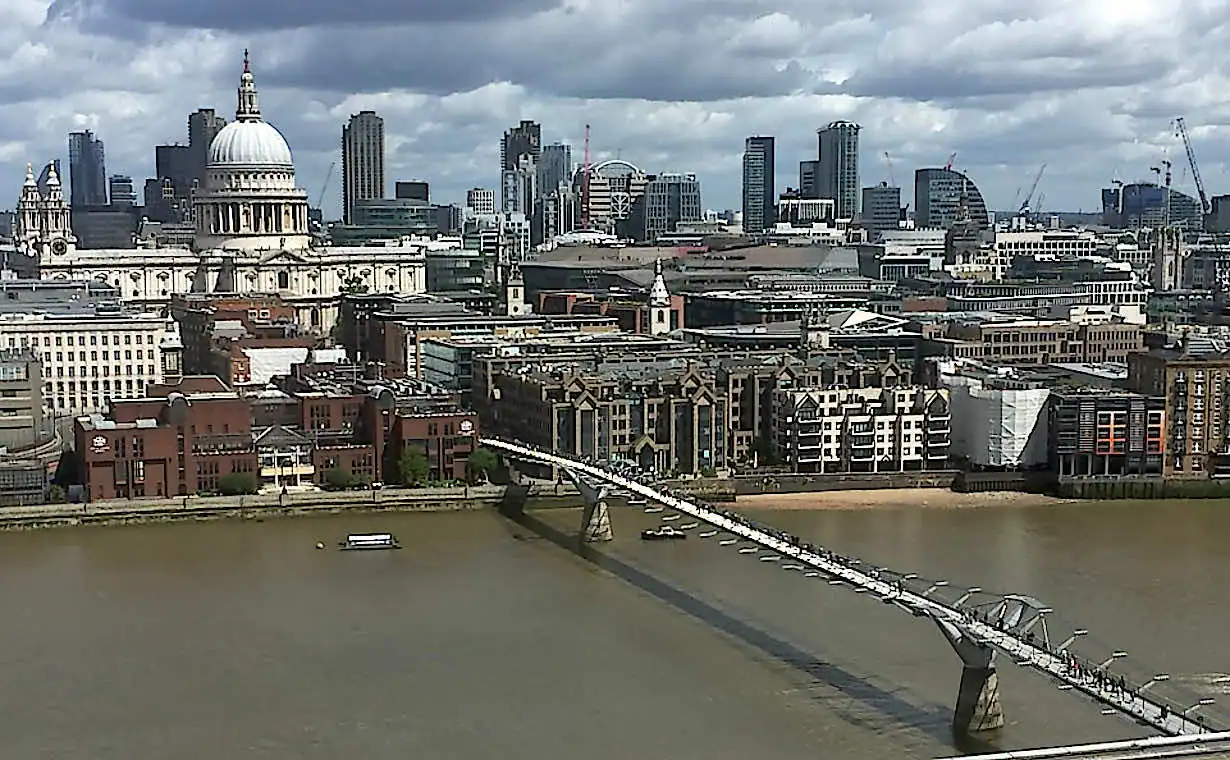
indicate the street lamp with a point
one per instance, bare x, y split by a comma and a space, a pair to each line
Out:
935, 586
1154, 681
1068, 641
1116, 655
965, 597
1202, 703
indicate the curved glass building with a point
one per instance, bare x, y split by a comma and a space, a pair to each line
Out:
937, 196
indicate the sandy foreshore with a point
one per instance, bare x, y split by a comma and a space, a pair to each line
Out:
889, 498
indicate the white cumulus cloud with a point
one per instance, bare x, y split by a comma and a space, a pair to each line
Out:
1089, 87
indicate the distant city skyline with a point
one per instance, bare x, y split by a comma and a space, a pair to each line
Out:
785, 71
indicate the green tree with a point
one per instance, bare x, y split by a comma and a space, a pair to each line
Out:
412, 467
765, 450
338, 479
56, 495
481, 464
237, 483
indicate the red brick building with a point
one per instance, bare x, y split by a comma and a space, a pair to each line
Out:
445, 437
182, 438
216, 329
633, 315
173, 444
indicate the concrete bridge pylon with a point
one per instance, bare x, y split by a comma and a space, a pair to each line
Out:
978, 706
596, 517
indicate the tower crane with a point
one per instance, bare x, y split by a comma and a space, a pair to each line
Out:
951, 159
892, 181
585, 184
1029, 197
1181, 130
320, 197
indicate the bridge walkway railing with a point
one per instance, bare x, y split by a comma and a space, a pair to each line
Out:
1055, 661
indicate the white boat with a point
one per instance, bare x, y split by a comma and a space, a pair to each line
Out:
369, 542
665, 533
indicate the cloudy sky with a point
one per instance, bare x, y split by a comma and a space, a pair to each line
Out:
1089, 87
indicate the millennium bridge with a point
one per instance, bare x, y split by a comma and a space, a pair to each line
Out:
978, 626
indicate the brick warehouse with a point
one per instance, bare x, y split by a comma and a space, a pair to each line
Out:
181, 439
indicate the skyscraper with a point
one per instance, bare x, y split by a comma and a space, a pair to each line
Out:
87, 170
481, 200
758, 184
44, 177
809, 182
520, 150
412, 190
523, 139
881, 207
518, 187
837, 175
362, 161
554, 167
203, 126
123, 191
670, 199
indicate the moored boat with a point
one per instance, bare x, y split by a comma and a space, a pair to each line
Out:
665, 533
369, 541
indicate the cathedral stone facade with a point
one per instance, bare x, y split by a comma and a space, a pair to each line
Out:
251, 235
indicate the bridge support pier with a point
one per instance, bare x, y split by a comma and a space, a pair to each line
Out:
978, 706
596, 521
596, 518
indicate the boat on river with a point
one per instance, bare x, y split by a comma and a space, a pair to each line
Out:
369, 542
665, 533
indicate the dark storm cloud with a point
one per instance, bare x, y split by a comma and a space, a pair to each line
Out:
959, 83
267, 15
668, 67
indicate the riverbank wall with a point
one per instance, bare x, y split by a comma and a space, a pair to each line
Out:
262, 506
728, 489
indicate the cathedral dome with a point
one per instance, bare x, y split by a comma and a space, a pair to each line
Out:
250, 144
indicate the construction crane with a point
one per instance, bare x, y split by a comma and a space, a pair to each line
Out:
585, 184
951, 159
1162, 171
1181, 130
320, 197
1029, 197
892, 181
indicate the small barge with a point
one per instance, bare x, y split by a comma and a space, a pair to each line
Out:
665, 533
369, 542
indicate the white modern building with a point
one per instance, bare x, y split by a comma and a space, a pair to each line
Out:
91, 356
833, 430
251, 235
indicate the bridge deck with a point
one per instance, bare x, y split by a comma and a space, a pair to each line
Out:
1133, 749
1031, 654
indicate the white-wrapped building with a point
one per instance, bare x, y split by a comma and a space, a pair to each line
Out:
998, 418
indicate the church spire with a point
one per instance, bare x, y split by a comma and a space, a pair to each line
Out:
55, 191
659, 296
249, 107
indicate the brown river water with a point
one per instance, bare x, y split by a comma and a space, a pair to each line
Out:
488, 639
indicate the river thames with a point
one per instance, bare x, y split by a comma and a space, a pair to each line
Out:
484, 638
